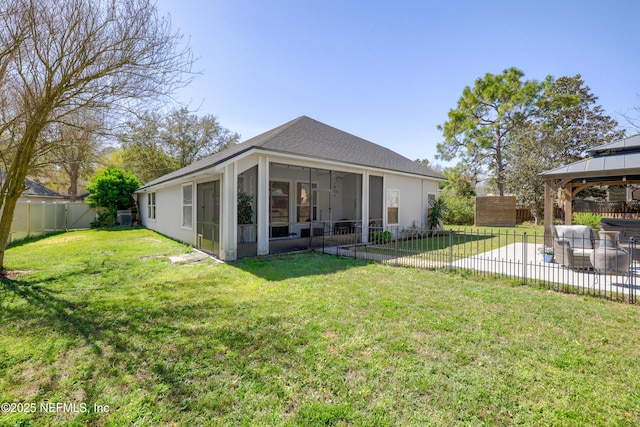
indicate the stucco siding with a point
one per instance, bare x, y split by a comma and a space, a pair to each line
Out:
410, 206
168, 214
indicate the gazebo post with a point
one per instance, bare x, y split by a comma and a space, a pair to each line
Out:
568, 204
548, 213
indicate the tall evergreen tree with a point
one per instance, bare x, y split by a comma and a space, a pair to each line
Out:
479, 130
560, 133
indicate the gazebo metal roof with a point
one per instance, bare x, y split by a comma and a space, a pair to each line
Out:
618, 161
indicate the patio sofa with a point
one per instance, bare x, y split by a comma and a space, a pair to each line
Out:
628, 228
573, 245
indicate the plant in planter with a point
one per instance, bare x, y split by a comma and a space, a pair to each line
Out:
546, 252
245, 213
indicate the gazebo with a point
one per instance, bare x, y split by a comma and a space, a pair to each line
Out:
616, 163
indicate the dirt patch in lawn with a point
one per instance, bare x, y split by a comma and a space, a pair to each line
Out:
13, 274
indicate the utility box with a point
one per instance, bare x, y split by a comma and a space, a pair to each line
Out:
124, 218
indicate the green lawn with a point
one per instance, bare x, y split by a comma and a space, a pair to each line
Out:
103, 318
465, 241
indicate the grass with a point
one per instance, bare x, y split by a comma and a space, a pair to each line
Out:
103, 318
465, 241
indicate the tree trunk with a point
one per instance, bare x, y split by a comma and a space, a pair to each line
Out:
12, 188
8, 207
500, 178
74, 173
499, 165
13, 185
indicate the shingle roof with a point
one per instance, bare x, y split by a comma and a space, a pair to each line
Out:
310, 138
34, 189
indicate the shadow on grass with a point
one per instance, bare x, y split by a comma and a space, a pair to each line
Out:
166, 346
299, 264
26, 240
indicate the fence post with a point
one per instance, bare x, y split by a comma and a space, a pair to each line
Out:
632, 274
450, 247
524, 257
29, 219
44, 219
397, 237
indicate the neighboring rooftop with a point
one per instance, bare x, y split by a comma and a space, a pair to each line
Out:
34, 189
310, 138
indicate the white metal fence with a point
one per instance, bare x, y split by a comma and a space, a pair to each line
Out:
40, 218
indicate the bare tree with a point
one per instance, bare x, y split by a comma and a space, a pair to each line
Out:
61, 56
156, 144
75, 147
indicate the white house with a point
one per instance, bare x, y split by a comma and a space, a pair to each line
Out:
301, 182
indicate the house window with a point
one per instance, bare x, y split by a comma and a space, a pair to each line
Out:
393, 203
187, 206
151, 205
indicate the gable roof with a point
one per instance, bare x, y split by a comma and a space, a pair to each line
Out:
34, 189
307, 137
617, 159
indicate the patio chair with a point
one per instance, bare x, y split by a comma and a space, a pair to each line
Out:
628, 228
573, 246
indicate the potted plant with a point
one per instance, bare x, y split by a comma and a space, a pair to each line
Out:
547, 253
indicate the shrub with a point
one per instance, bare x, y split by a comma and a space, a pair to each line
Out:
458, 210
436, 213
587, 218
113, 189
382, 237
103, 220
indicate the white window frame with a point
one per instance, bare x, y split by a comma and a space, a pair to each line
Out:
151, 206
388, 204
187, 204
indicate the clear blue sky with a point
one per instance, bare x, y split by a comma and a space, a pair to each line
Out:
390, 71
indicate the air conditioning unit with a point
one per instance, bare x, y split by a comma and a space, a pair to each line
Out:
125, 218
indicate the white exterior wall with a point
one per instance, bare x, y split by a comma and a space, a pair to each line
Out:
412, 209
169, 213
413, 198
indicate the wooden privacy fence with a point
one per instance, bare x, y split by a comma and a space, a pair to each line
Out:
496, 211
501, 211
627, 210
524, 214
40, 218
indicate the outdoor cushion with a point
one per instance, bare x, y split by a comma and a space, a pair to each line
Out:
582, 252
578, 236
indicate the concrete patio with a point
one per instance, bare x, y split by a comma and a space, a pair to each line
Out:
522, 260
